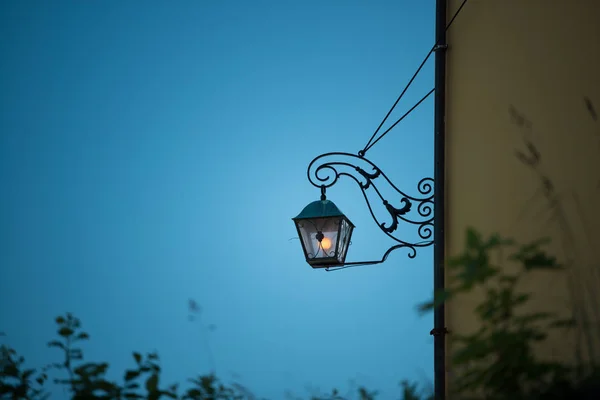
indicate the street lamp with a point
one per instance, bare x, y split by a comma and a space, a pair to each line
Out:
325, 232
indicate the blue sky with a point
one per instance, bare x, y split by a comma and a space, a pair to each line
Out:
152, 152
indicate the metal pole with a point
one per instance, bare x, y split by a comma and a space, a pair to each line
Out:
439, 346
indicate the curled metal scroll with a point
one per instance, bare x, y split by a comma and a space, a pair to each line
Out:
415, 210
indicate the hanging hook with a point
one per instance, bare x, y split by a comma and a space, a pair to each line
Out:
323, 197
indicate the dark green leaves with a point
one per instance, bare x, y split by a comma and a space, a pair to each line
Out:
410, 391
86, 380
131, 375
65, 331
498, 357
439, 298
18, 383
540, 261
56, 343
152, 383
473, 239
531, 256
133, 396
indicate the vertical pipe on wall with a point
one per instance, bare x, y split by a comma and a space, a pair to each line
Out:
439, 346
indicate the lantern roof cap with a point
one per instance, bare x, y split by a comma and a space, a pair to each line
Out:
320, 209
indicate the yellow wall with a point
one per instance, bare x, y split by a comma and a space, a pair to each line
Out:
543, 58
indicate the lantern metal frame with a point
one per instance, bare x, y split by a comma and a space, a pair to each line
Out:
328, 211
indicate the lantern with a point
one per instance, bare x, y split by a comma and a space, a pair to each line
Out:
325, 233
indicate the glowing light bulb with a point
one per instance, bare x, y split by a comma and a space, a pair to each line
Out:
326, 243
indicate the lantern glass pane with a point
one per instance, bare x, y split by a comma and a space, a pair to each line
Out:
309, 229
344, 242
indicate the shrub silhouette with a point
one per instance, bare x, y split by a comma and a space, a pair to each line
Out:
496, 362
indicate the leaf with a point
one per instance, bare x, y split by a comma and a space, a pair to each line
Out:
439, 297
169, 394
133, 396
193, 394
409, 391
131, 374
104, 385
138, 357
536, 244
473, 239
497, 241
530, 254
60, 320
11, 370
27, 373
154, 367
540, 261
102, 368
474, 347
65, 331
425, 307
487, 311
133, 385
82, 336
56, 343
476, 270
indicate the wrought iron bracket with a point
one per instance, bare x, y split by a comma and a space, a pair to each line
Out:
414, 210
